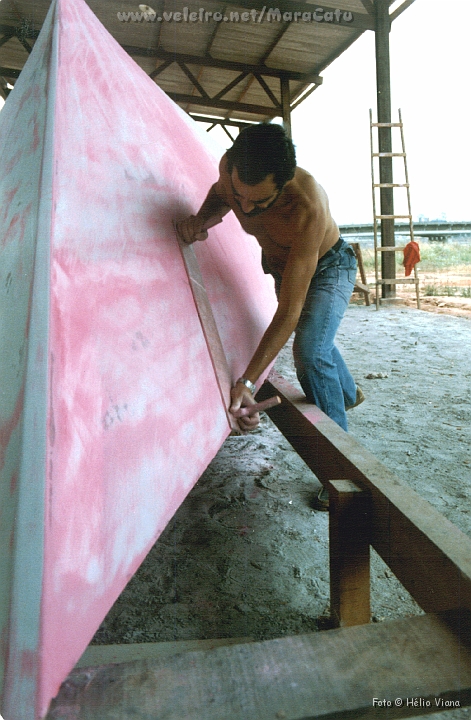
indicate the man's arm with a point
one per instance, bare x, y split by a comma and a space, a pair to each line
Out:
212, 211
300, 267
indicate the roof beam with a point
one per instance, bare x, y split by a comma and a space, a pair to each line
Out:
18, 30
221, 121
231, 85
9, 72
209, 61
369, 6
225, 104
400, 9
5, 39
338, 52
193, 80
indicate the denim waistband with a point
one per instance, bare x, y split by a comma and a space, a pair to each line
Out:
341, 254
335, 248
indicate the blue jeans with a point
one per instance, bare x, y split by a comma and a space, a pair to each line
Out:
320, 368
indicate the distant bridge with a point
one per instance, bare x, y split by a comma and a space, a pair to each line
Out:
433, 229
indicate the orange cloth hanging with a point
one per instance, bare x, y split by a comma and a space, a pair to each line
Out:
411, 256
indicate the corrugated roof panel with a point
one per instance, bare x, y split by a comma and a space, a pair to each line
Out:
244, 42
306, 47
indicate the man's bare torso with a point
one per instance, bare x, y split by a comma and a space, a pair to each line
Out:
301, 198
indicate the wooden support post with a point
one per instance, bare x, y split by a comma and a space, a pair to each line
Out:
426, 552
361, 286
349, 548
383, 90
285, 104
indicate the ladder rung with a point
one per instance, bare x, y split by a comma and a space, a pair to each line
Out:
389, 249
391, 185
386, 124
389, 154
396, 281
391, 217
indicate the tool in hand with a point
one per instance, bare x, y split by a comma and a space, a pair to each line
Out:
258, 407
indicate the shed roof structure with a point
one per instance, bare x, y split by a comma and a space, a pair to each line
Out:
229, 63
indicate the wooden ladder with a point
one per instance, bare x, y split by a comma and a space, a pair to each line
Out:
379, 249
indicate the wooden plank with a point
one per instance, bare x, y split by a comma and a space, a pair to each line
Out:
349, 553
396, 281
221, 63
130, 652
336, 674
210, 330
285, 102
429, 555
393, 248
395, 14
363, 285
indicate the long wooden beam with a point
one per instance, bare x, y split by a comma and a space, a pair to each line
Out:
398, 11
9, 72
225, 104
428, 554
208, 61
220, 121
369, 6
369, 671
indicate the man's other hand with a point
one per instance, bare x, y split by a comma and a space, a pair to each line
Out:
191, 229
242, 397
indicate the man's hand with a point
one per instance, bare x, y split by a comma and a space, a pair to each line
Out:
192, 229
242, 397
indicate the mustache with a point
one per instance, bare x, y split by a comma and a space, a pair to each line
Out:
258, 210
254, 212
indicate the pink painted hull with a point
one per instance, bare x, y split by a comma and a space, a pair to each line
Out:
112, 409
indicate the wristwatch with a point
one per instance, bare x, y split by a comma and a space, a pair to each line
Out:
249, 385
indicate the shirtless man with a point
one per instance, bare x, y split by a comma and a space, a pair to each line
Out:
314, 271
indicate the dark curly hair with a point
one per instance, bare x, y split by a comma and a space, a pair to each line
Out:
261, 150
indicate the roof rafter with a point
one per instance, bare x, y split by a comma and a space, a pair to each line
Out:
220, 121
209, 61
10, 72
399, 10
369, 6
225, 104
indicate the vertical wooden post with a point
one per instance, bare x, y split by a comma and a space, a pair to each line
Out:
285, 104
383, 93
349, 548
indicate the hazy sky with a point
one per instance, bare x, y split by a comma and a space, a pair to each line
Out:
430, 47
430, 77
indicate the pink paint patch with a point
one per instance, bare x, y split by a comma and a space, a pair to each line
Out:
29, 663
13, 482
134, 413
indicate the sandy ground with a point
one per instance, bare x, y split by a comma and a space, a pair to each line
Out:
246, 554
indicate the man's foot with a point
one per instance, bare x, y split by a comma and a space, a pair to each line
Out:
321, 501
358, 400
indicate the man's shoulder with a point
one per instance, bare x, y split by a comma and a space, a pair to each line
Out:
302, 193
223, 172
309, 193
306, 184
222, 185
